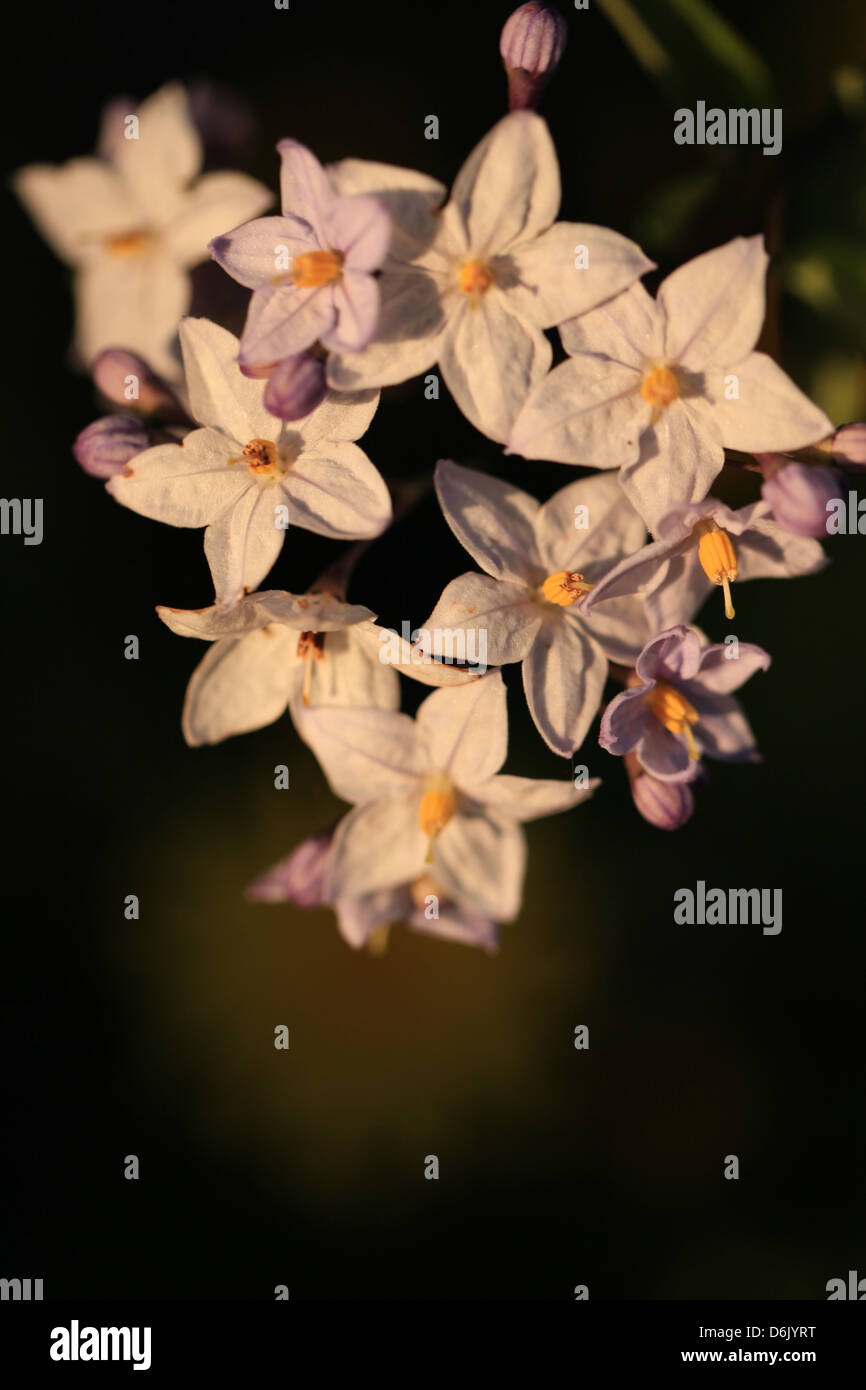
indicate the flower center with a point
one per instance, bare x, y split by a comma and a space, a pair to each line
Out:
475, 278
438, 805
262, 457
129, 244
659, 388
313, 269
311, 647
675, 712
718, 559
565, 587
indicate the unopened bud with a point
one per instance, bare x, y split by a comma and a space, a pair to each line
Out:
126, 379
105, 448
798, 494
848, 446
296, 386
666, 805
531, 45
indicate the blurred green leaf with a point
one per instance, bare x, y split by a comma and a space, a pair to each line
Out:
664, 219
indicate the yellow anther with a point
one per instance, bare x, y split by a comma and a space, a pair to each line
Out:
475, 277
675, 712
438, 805
129, 244
718, 559
659, 388
313, 269
261, 456
565, 587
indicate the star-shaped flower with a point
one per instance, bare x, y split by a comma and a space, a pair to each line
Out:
658, 388
701, 544
539, 561
473, 286
679, 705
134, 223
302, 878
246, 476
310, 270
274, 650
428, 800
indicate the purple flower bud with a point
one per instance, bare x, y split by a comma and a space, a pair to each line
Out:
105, 447
296, 386
298, 879
848, 447
798, 494
667, 805
531, 45
126, 379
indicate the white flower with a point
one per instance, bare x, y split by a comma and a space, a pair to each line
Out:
473, 286
133, 224
248, 476
275, 650
427, 795
539, 561
660, 387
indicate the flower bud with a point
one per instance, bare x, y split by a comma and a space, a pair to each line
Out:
299, 879
798, 494
666, 805
848, 446
106, 447
126, 380
531, 45
296, 386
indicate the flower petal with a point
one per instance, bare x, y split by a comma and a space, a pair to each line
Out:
465, 730
356, 301
491, 359
255, 253
588, 526
527, 798
242, 683
769, 414
76, 206
158, 166
395, 651
624, 721
219, 394
679, 459
553, 287
492, 519
305, 190
587, 410
341, 415
134, 302
242, 544
722, 673
186, 484
378, 845
508, 190
628, 329
366, 753
674, 655
216, 201
499, 615
360, 228
482, 859
563, 677
714, 305
409, 334
283, 320
339, 494
767, 550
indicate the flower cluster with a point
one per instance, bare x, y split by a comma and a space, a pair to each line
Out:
372, 275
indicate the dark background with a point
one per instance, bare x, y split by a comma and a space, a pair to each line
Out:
155, 1037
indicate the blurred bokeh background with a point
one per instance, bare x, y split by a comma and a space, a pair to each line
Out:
155, 1037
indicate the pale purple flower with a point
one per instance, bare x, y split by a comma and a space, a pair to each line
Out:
798, 494
660, 387
312, 269
702, 544
106, 446
681, 707
532, 43
128, 380
300, 878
